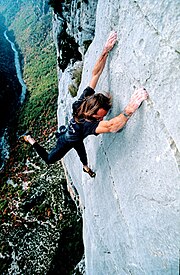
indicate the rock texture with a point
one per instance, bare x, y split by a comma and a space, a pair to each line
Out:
131, 209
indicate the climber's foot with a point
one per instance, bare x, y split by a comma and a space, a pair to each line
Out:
86, 169
27, 137
24, 134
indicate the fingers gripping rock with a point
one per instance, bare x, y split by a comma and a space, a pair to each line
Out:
138, 97
110, 41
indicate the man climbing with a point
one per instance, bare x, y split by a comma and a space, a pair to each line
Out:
87, 119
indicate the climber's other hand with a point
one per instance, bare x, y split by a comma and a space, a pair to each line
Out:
136, 99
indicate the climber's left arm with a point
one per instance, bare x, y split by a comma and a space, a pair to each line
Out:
99, 66
115, 124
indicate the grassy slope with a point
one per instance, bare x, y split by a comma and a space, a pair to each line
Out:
40, 74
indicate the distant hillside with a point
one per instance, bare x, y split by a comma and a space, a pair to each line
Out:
31, 24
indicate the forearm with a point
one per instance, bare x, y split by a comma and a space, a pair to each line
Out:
136, 99
120, 121
113, 125
117, 123
99, 66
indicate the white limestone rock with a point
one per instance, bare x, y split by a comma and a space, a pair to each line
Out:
131, 215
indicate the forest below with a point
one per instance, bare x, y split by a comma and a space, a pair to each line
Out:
34, 199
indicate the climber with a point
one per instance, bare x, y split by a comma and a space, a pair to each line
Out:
87, 118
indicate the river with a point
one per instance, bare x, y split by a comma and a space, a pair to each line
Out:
18, 68
4, 139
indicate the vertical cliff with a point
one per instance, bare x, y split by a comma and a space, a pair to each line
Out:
131, 209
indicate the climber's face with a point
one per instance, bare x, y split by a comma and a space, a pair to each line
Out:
101, 113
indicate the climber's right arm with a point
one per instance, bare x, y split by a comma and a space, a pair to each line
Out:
115, 124
99, 66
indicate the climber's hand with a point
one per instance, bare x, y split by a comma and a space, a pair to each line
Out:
110, 41
136, 99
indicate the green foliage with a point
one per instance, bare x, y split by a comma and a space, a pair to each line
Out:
31, 27
73, 90
77, 76
34, 37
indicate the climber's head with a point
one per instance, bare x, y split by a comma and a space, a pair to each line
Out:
95, 106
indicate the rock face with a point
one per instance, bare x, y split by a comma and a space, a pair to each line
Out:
131, 209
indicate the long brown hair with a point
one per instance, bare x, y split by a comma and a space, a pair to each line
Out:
91, 105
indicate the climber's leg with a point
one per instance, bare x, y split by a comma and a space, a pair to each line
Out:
41, 151
58, 152
80, 149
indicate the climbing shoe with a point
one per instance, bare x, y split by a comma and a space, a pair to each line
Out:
90, 172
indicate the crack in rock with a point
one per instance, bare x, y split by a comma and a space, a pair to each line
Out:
164, 203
